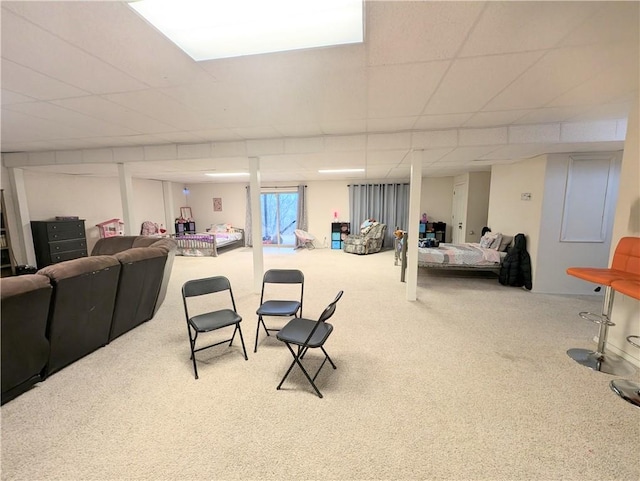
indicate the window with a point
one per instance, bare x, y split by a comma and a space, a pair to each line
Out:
278, 210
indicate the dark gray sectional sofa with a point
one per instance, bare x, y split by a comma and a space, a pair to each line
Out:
68, 310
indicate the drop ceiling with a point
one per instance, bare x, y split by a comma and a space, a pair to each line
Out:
462, 85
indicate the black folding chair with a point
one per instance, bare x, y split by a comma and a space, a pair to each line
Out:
307, 334
278, 308
211, 320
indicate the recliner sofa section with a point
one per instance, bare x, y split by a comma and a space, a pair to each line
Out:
84, 294
68, 310
24, 305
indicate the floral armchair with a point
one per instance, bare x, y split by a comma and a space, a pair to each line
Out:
368, 241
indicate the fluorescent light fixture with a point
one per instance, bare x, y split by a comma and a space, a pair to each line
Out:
339, 171
226, 174
210, 29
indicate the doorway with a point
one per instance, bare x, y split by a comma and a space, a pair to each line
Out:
459, 221
279, 212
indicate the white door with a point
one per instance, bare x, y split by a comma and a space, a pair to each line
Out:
459, 213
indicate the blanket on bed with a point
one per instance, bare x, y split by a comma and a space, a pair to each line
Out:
459, 254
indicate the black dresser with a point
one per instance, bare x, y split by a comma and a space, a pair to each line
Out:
58, 240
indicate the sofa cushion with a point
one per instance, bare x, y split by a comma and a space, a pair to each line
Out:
25, 347
75, 267
111, 245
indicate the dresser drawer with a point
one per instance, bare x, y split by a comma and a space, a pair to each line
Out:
67, 246
65, 230
67, 256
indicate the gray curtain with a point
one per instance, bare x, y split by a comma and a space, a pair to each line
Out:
302, 221
386, 203
248, 241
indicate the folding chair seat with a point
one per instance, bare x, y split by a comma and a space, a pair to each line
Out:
307, 334
210, 320
625, 266
278, 307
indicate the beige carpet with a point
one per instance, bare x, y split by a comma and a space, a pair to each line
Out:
471, 382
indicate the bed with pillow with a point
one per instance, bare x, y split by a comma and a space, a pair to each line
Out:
205, 244
487, 255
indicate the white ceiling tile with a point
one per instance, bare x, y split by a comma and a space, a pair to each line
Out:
557, 72
524, 26
493, 136
345, 143
465, 154
194, 151
442, 121
614, 21
94, 105
255, 132
400, 140
392, 124
30, 46
494, 119
344, 126
128, 154
542, 133
402, 90
28, 82
400, 32
471, 83
298, 130
434, 139
9, 97
550, 115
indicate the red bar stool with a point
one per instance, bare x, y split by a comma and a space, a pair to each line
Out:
625, 266
628, 390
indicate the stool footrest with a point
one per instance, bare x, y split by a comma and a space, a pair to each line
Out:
596, 318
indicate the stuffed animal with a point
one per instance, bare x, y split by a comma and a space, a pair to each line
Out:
398, 233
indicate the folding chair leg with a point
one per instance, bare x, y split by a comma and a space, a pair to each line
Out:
296, 360
192, 343
241, 341
260, 321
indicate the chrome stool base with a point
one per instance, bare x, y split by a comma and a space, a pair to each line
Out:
627, 390
609, 364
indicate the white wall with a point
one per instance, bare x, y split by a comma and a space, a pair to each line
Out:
437, 200
554, 257
626, 311
510, 215
479, 186
94, 199
323, 199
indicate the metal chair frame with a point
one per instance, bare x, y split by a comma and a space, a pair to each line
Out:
295, 333
278, 308
212, 320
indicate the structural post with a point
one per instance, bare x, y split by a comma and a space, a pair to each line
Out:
169, 214
23, 238
126, 196
412, 229
256, 224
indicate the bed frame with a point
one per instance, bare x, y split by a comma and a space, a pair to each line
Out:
205, 245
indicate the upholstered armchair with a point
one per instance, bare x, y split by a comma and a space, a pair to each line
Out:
368, 241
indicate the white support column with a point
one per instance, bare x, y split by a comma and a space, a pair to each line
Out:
412, 229
169, 213
23, 238
256, 224
126, 196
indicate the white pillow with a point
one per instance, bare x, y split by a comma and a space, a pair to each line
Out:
491, 240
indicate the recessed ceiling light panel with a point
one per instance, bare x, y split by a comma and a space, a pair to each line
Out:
211, 29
